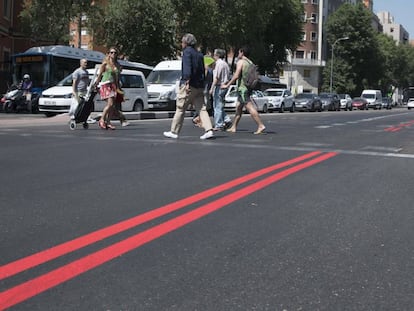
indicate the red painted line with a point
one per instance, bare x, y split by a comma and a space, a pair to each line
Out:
399, 127
55, 277
36, 259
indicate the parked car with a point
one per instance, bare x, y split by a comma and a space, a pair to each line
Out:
346, 101
386, 103
410, 103
280, 99
230, 100
308, 102
261, 101
374, 98
360, 103
330, 101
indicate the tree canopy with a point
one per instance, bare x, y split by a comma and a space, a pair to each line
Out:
150, 30
368, 59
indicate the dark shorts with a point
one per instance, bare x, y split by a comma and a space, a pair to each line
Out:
243, 96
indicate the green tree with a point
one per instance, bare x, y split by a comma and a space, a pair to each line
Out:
141, 29
150, 30
358, 62
268, 27
47, 20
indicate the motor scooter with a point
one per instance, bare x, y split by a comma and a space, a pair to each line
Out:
16, 100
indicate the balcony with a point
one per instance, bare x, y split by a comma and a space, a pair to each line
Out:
308, 62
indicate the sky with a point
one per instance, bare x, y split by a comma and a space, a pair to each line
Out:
402, 10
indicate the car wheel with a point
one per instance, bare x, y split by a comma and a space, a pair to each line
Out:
292, 108
282, 108
138, 106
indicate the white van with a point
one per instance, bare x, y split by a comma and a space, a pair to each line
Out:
162, 85
57, 99
374, 98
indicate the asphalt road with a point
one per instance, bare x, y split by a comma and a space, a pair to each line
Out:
317, 214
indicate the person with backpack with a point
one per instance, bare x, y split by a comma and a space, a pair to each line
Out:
246, 77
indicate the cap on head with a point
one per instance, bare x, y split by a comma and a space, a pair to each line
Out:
26, 76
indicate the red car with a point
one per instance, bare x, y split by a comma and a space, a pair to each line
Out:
360, 103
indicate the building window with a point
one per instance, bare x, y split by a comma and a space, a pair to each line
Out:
300, 54
304, 17
304, 1
306, 73
303, 36
315, 1
314, 18
7, 8
313, 54
314, 36
6, 61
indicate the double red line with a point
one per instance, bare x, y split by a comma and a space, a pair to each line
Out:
399, 127
37, 285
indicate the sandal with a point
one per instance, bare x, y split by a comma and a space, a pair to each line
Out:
261, 131
110, 126
102, 125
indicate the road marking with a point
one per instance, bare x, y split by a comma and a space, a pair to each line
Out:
358, 121
39, 284
65, 248
382, 148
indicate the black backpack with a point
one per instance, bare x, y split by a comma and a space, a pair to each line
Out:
252, 80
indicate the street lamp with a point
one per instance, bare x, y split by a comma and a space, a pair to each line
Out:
332, 60
290, 60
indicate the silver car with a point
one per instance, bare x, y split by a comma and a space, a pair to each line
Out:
258, 98
280, 99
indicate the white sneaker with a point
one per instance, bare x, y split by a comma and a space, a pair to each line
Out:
125, 123
207, 135
170, 135
91, 120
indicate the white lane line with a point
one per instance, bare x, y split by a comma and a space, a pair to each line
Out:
382, 148
359, 121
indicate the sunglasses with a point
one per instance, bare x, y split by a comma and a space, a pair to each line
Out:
113, 52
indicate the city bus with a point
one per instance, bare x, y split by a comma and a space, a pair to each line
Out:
47, 65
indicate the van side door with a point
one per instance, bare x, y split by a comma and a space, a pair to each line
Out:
136, 96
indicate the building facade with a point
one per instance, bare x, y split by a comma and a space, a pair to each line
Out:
391, 28
303, 72
12, 39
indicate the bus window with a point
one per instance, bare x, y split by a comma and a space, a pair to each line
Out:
47, 65
35, 67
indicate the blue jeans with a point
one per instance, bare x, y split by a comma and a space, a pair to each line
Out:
220, 116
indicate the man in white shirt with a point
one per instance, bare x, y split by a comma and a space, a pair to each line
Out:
220, 76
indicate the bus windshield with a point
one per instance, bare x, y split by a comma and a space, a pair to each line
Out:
37, 69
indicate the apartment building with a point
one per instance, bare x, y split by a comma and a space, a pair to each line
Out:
12, 39
391, 28
303, 71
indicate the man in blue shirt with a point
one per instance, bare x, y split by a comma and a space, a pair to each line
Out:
191, 89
